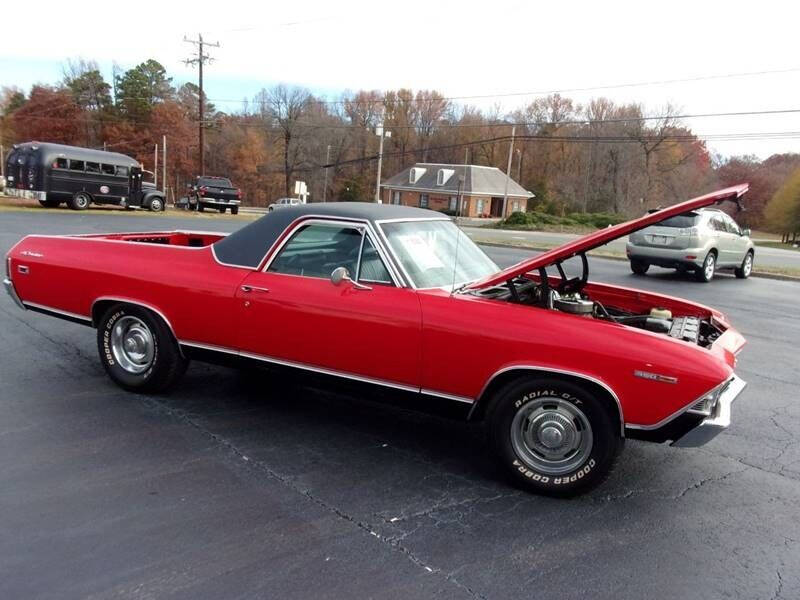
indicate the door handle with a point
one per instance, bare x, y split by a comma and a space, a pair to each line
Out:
253, 288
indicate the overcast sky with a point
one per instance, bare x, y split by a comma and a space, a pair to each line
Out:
461, 48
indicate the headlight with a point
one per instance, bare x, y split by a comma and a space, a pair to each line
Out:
705, 406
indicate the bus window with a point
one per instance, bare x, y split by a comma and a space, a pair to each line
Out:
92, 167
107, 169
122, 171
76, 165
60, 163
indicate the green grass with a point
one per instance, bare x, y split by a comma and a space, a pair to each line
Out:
780, 245
573, 223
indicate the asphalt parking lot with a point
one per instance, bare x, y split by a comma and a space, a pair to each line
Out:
240, 486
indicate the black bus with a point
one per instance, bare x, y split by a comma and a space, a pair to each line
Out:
55, 173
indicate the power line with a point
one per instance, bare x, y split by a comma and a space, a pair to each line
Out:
200, 59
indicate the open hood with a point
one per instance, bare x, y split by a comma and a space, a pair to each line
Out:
603, 236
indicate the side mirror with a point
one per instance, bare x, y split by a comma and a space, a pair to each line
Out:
745, 233
340, 274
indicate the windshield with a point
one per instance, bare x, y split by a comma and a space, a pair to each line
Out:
427, 252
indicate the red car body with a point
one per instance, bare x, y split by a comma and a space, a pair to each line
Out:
441, 347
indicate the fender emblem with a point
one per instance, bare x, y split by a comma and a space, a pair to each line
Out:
655, 376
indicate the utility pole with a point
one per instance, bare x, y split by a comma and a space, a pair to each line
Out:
325, 186
200, 59
380, 132
155, 166
508, 170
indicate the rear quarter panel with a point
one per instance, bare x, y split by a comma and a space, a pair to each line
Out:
186, 285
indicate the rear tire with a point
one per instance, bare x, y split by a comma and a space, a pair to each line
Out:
639, 267
743, 272
553, 437
138, 350
234, 210
221, 210
200, 207
80, 201
705, 273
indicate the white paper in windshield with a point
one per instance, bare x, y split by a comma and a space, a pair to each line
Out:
420, 251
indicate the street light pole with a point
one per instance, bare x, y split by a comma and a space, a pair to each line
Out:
380, 132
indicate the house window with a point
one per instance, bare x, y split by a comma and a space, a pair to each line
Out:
479, 207
396, 198
515, 206
453, 203
423, 200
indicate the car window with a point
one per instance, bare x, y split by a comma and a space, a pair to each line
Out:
92, 167
681, 221
371, 268
731, 225
76, 165
317, 249
715, 223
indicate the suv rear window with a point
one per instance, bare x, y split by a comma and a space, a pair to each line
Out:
681, 221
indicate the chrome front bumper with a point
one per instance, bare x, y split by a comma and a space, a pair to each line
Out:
7, 283
717, 421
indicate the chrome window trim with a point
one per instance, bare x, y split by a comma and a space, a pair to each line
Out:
65, 313
528, 367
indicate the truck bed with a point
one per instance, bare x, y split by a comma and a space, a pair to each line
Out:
192, 239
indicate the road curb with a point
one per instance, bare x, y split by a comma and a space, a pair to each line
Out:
759, 274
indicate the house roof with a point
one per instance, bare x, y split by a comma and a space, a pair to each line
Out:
478, 180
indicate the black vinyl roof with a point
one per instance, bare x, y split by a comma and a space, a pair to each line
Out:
248, 246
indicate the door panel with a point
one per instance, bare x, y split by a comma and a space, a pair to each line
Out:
373, 333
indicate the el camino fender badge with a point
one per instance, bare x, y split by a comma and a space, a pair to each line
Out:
31, 253
655, 376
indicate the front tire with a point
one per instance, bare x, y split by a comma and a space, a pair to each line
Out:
234, 210
157, 205
743, 272
706, 272
639, 267
553, 437
80, 201
138, 350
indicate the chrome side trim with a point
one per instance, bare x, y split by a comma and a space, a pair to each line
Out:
560, 372
224, 264
58, 311
717, 422
7, 283
312, 368
452, 397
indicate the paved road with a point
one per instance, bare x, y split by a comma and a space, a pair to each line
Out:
236, 486
766, 256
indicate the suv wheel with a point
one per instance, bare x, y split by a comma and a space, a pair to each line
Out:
706, 272
552, 437
639, 267
744, 271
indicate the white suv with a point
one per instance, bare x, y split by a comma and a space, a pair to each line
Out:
701, 241
284, 202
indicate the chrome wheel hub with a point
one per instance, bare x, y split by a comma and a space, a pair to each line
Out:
551, 435
748, 264
132, 345
710, 267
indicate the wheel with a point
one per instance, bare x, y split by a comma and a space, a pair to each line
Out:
138, 350
222, 210
744, 271
200, 207
639, 267
49, 203
80, 201
553, 437
156, 205
706, 272
234, 210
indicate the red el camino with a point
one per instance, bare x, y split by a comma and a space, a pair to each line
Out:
561, 370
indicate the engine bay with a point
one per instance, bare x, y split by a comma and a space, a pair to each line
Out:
568, 295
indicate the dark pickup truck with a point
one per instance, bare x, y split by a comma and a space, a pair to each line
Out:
214, 192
